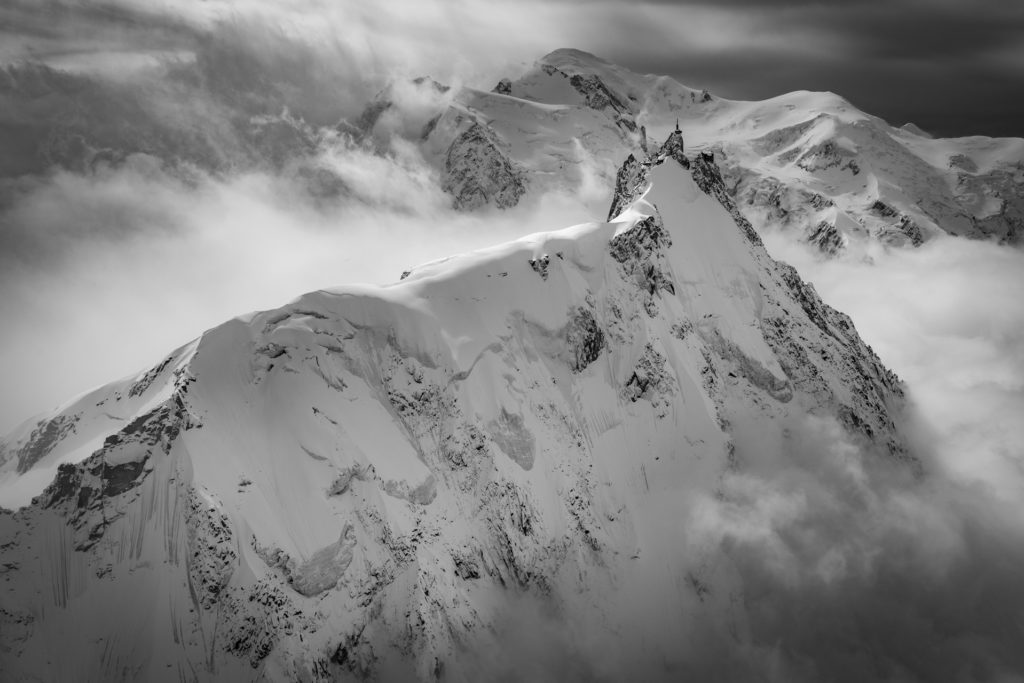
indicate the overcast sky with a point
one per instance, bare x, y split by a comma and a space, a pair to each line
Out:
953, 67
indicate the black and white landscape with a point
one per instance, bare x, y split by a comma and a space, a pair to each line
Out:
648, 381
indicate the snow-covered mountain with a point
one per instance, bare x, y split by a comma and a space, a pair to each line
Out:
369, 482
806, 162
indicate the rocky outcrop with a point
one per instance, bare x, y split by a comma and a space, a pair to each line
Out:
674, 149
585, 338
46, 435
629, 182
504, 87
641, 255
596, 94
540, 265
650, 381
96, 492
826, 238
864, 393
212, 555
708, 177
477, 172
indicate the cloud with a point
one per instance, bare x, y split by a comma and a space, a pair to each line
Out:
852, 571
849, 570
946, 317
951, 66
822, 562
105, 271
142, 205
828, 561
207, 179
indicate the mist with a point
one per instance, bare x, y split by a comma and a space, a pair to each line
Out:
833, 562
146, 199
116, 268
206, 172
946, 317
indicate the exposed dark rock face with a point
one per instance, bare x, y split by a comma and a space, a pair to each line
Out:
260, 618
628, 184
94, 492
825, 237
708, 177
635, 248
828, 155
504, 87
866, 409
884, 210
211, 550
901, 229
651, 381
632, 178
912, 230
873, 393
477, 172
540, 266
43, 439
597, 95
466, 567
673, 148
640, 251
586, 340
429, 127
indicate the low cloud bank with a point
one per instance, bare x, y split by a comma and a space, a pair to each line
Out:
826, 561
114, 268
947, 318
143, 201
847, 567
119, 242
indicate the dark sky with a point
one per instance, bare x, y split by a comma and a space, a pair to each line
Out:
952, 67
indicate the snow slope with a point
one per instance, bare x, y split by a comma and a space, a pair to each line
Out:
367, 482
805, 162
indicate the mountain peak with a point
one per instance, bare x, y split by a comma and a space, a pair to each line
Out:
804, 162
571, 56
369, 476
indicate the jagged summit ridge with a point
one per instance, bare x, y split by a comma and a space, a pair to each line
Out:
807, 163
358, 484
633, 179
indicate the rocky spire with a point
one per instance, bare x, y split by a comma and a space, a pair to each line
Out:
631, 179
673, 147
